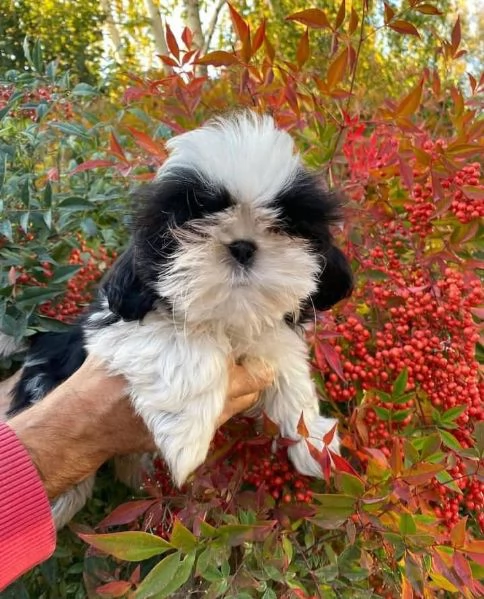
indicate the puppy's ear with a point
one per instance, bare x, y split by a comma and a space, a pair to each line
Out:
127, 295
335, 280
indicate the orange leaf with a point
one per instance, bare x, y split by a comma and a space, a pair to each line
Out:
407, 591
404, 27
90, 164
353, 21
410, 103
302, 52
427, 9
389, 13
241, 28
171, 42
269, 427
218, 58
259, 37
418, 475
456, 36
116, 588
336, 69
329, 436
458, 533
340, 17
302, 428
312, 17
147, 143
116, 149
269, 50
396, 457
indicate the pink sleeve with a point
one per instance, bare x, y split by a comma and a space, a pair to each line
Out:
27, 534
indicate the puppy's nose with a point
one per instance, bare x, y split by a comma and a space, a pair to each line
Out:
243, 250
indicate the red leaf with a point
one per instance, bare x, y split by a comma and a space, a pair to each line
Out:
172, 43
259, 37
312, 17
116, 588
342, 465
301, 427
302, 52
389, 13
218, 58
126, 513
404, 27
332, 358
463, 569
147, 143
329, 436
456, 36
323, 458
168, 60
187, 38
90, 164
116, 149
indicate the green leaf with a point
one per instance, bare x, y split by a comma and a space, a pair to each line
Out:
453, 414
349, 484
159, 577
131, 546
36, 295
333, 510
72, 129
75, 203
449, 440
382, 413
407, 524
64, 273
479, 436
179, 578
446, 479
181, 538
400, 384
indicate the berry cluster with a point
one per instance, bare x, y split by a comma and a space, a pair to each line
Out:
248, 462
32, 98
78, 293
79, 289
468, 193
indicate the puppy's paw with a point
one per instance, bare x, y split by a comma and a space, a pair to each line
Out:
299, 453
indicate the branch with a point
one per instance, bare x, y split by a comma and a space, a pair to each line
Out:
212, 25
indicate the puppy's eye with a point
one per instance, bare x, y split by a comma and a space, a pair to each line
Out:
275, 228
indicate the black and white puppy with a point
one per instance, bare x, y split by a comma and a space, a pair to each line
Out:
231, 248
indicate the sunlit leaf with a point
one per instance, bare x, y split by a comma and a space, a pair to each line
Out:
129, 546
312, 17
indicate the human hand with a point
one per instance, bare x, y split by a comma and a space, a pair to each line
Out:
88, 419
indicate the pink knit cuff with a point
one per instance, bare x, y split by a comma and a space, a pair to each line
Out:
27, 533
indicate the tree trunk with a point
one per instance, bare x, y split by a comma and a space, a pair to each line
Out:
112, 28
157, 27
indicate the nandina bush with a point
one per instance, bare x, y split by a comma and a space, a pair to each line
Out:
398, 363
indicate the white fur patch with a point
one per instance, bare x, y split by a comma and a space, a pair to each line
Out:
246, 154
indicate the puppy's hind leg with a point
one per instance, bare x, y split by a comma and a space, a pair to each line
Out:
66, 506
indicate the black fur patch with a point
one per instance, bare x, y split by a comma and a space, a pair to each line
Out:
52, 358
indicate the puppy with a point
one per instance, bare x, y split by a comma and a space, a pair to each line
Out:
231, 250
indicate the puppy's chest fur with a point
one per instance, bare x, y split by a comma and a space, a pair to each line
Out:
165, 360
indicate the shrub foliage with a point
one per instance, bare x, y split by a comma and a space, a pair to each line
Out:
398, 363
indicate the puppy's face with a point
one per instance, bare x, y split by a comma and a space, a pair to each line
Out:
234, 229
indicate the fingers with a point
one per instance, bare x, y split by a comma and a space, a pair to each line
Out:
234, 406
242, 382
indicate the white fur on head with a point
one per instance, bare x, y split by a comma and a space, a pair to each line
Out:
246, 154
